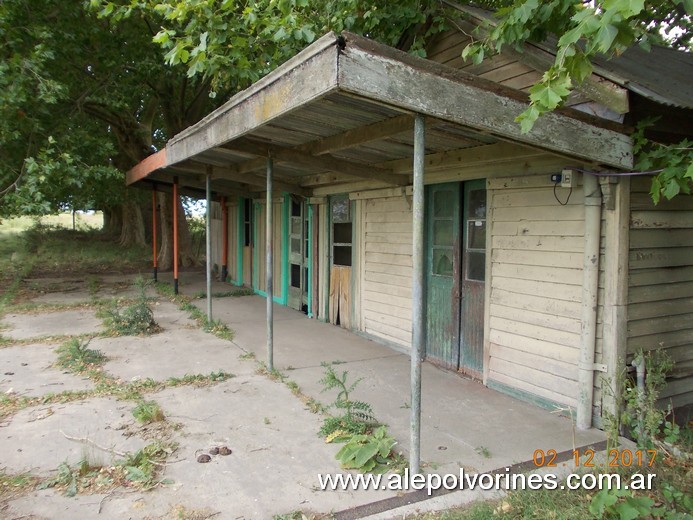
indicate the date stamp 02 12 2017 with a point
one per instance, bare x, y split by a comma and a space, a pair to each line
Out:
616, 458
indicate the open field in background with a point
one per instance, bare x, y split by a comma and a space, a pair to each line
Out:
64, 220
48, 246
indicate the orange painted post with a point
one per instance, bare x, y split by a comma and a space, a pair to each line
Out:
154, 251
175, 235
224, 240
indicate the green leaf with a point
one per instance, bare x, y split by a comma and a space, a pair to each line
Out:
365, 453
605, 37
527, 119
671, 189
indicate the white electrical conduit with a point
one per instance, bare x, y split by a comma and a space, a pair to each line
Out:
590, 287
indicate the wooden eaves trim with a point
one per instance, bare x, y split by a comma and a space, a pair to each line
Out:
146, 167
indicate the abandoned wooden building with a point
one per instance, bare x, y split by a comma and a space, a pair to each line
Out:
531, 273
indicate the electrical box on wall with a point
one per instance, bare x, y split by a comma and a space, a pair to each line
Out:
568, 178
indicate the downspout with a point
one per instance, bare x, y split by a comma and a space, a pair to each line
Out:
590, 287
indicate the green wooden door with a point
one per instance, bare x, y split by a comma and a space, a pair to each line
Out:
455, 274
442, 274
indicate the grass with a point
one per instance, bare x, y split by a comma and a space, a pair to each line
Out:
672, 485
16, 484
148, 412
241, 291
216, 327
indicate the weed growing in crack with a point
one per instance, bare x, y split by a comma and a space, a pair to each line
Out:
216, 327
75, 356
356, 417
134, 319
148, 412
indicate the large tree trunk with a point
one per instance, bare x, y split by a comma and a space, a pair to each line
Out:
132, 232
186, 255
112, 220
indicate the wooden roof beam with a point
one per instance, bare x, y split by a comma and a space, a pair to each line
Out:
328, 163
361, 135
255, 180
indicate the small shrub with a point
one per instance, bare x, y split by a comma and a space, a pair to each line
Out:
134, 319
148, 412
75, 356
644, 421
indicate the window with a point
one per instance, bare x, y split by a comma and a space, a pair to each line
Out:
476, 236
341, 230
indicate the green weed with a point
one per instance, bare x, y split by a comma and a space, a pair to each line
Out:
368, 453
75, 356
148, 412
356, 417
134, 319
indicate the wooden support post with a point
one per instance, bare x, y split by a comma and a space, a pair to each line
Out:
175, 235
417, 344
208, 241
224, 240
269, 267
154, 248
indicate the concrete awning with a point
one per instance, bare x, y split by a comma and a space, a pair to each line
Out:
341, 113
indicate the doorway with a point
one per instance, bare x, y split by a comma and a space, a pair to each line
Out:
299, 249
455, 275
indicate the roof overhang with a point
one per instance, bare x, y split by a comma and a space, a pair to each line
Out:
343, 109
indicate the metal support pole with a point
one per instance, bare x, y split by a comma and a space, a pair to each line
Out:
175, 235
224, 240
154, 249
269, 267
417, 295
208, 242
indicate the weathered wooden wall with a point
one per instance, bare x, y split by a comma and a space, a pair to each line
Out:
660, 298
387, 269
502, 68
535, 288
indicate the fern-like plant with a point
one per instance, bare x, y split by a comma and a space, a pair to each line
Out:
356, 417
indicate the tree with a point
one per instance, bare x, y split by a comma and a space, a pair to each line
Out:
584, 30
82, 100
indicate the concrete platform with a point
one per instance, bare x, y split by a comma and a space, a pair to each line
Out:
33, 439
464, 424
28, 371
277, 453
32, 325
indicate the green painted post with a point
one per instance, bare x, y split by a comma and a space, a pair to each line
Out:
310, 261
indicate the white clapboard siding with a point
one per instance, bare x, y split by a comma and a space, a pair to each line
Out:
387, 270
660, 297
277, 240
536, 288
